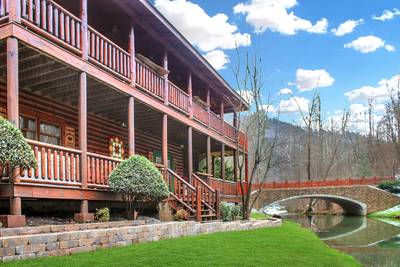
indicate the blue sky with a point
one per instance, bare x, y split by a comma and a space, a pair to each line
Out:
287, 45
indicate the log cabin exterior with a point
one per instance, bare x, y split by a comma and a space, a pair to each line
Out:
88, 92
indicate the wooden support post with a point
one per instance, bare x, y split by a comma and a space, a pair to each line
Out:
83, 126
235, 164
12, 81
222, 115
213, 166
131, 126
235, 120
190, 152
165, 141
208, 99
14, 10
84, 30
198, 204
165, 64
84, 215
217, 203
132, 51
223, 161
15, 219
190, 92
209, 160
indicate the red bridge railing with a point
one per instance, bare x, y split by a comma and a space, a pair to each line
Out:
324, 183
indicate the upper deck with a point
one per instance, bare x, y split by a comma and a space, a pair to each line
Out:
181, 84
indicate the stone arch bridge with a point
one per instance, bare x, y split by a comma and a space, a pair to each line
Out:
355, 200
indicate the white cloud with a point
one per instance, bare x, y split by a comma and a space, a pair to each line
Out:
307, 80
294, 105
285, 91
368, 44
206, 32
269, 108
390, 48
217, 58
387, 15
347, 27
274, 15
381, 91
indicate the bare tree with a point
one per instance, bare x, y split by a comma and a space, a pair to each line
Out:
255, 124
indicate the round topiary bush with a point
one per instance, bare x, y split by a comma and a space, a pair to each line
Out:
14, 150
139, 181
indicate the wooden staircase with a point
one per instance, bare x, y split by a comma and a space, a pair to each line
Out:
195, 196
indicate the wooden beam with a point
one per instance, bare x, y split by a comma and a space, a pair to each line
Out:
83, 126
165, 64
223, 161
131, 126
208, 100
12, 81
222, 114
132, 51
235, 164
165, 140
84, 29
190, 152
209, 161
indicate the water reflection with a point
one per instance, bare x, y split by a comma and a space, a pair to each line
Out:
372, 242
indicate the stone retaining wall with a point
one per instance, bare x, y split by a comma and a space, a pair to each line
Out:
58, 240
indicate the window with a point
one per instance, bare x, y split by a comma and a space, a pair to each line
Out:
28, 127
50, 133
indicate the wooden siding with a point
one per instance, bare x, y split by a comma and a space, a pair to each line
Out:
99, 129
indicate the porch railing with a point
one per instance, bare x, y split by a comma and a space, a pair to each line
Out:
55, 164
99, 169
149, 80
200, 113
215, 122
106, 53
55, 22
3, 8
229, 131
178, 98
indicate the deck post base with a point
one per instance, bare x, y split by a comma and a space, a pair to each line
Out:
13, 221
84, 217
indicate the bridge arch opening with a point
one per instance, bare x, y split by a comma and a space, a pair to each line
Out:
350, 206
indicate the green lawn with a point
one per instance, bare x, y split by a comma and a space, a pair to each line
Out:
289, 245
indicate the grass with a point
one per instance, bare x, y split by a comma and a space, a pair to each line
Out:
259, 216
289, 245
395, 215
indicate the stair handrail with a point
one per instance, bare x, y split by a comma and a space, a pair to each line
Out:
181, 179
212, 194
197, 178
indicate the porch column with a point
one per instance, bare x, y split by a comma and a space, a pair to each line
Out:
208, 105
83, 215
132, 51
14, 10
222, 114
190, 152
131, 125
165, 140
213, 165
190, 92
223, 162
165, 64
84, 29
15, 219
12, 81
209, 160
246, 167
235, 164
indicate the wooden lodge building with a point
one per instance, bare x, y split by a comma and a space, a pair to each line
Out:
90, 83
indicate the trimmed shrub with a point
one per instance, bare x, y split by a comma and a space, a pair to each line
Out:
14, 150
181, 215
230, 212
391, 186
139, 181
102, 214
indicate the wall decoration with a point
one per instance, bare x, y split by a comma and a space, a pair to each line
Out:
116, 148
69, 137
